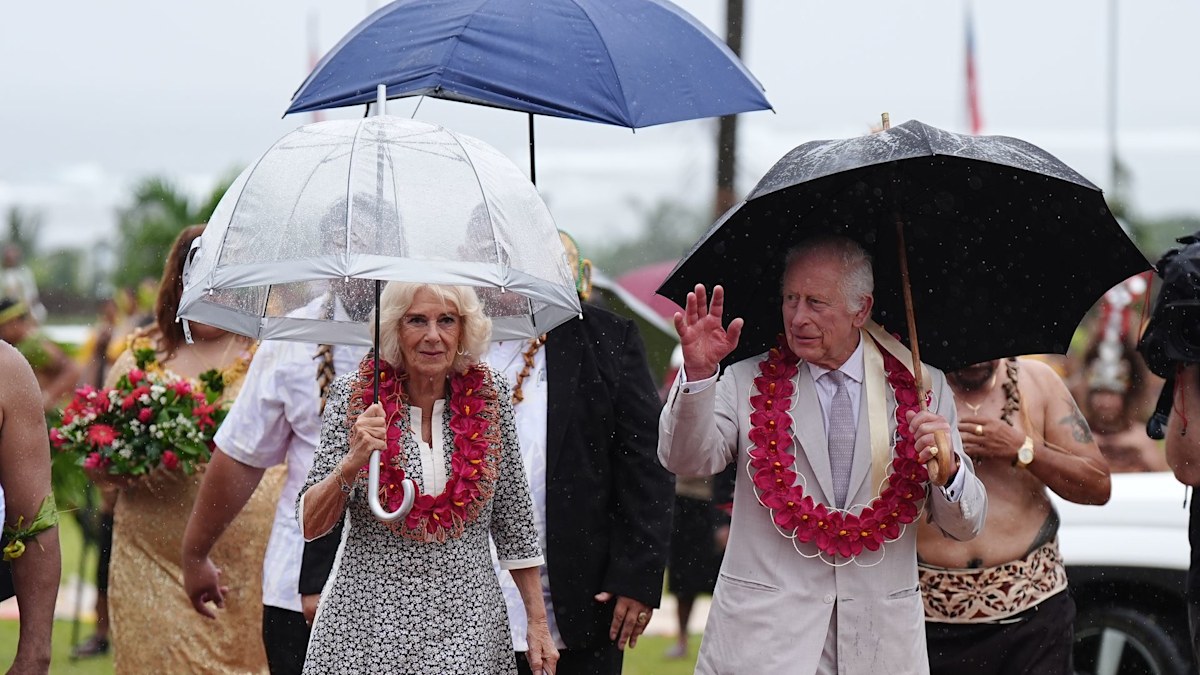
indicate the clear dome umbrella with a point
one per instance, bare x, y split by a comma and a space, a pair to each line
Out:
292, 249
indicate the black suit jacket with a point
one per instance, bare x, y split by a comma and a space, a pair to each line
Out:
608, 500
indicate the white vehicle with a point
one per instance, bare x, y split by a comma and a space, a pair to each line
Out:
1127, 563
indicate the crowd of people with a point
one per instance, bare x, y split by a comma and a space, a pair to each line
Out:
555, 482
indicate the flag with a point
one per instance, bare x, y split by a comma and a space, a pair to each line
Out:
974, 113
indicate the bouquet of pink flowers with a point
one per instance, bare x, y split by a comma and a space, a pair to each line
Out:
149, 419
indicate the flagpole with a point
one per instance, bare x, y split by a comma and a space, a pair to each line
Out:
974, 112
1113, 164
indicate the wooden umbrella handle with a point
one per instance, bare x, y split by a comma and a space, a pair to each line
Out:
938, 467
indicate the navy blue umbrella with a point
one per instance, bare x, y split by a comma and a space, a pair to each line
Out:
631, 63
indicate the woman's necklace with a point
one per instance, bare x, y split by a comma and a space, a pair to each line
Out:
986, 393
205, 358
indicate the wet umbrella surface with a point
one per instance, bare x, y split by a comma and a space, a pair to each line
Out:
1007, 246
381, 198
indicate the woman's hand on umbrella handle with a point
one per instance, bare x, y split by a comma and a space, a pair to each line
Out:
702, 335
368, 434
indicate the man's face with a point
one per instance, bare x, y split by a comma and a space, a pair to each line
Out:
973, 377
818, 323
1106, 406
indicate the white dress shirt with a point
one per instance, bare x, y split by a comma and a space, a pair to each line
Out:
854, 370
508, 358
275, 420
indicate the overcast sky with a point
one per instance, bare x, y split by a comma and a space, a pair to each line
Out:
94, 95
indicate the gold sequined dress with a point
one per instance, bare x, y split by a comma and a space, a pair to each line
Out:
155, 629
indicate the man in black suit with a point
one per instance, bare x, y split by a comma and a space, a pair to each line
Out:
587, 410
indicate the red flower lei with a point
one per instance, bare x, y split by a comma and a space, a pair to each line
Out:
834, 532
474, 463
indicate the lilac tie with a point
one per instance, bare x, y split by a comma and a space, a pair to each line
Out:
842, 430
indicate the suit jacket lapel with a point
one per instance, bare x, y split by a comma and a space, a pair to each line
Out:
810, 433
563, 357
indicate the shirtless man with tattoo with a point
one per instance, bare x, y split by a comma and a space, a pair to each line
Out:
998, 603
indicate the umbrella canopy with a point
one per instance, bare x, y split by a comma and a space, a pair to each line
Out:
658, 333
1007, 246
379, 198
631, 63
643, 281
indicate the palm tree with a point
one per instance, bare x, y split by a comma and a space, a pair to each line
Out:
23, 227
148, 227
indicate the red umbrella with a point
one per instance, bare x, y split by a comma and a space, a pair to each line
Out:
644, 281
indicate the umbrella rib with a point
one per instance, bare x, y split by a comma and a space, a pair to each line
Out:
232, 211
483, 196
402, 249
616, 74
309, 178
350, 177
457, 39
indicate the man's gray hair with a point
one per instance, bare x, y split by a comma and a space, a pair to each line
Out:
859, 280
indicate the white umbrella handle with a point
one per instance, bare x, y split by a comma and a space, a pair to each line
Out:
410, 493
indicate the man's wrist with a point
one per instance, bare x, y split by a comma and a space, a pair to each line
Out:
699, 372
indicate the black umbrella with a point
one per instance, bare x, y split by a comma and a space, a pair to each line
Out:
1006, 247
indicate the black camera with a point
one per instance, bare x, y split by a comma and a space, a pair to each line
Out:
1172, 337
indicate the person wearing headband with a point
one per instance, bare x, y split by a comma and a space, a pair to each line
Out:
57, 374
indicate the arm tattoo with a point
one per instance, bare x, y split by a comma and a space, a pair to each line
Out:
1079, 425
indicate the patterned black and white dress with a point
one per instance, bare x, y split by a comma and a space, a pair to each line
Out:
394, 605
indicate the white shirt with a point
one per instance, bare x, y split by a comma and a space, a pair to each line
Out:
433, 459
275, 420
853, 369
508, 358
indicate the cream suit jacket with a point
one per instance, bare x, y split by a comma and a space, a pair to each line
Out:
772, 606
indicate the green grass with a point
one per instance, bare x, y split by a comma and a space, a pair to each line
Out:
70, 542
60, 659
647, 657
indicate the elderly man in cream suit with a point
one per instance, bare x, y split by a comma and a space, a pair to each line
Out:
784, 605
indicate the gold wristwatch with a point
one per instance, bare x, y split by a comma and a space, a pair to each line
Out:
1025, 454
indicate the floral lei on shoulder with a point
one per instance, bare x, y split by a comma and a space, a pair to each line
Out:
834, 532
474, 464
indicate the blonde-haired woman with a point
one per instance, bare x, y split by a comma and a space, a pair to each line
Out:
420, 594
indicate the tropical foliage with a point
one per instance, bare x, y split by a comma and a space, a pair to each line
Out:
148, 226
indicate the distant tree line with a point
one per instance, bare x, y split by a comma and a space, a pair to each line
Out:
73, 280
